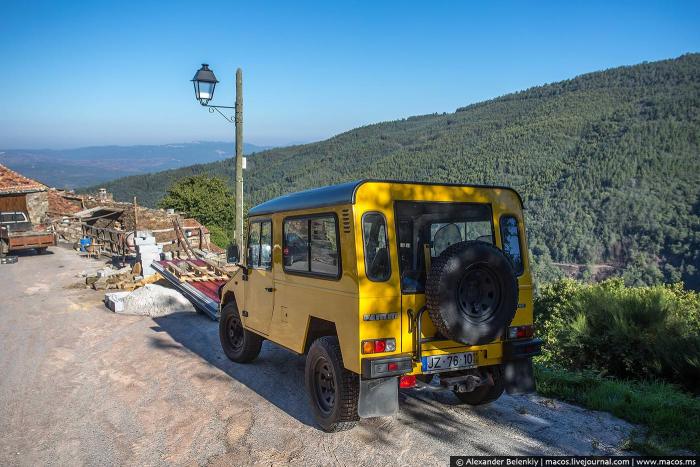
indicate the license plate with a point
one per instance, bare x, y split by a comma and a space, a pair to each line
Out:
454, 361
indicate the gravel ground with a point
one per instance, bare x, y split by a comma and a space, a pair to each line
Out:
83, 386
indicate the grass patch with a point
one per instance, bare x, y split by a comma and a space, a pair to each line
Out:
672, 417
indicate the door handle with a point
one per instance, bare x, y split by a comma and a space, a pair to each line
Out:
270, 289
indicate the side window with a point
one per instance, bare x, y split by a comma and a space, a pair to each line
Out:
266, 244
296, 245
324, 246
510, 236
377, 264
311, 246
254, 244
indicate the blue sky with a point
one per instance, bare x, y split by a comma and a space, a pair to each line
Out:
94, 73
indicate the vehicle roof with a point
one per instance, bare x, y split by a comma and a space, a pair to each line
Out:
335, 195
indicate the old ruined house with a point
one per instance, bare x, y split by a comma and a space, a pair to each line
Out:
103, 212
21, 194
63, 203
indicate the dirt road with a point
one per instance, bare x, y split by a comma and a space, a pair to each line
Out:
81, 385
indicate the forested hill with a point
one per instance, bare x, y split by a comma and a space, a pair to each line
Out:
608, 164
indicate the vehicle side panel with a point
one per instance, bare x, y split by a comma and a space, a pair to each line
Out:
299, 298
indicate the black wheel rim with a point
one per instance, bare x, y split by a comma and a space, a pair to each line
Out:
235, 333
479, 293
324, 384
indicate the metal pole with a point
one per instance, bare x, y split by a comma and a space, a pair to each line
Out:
238, 228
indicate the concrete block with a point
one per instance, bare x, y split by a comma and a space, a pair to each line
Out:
150, 249
145, 241
115, 301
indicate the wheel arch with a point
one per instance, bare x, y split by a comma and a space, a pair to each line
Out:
232, 291
316, 328
227, 297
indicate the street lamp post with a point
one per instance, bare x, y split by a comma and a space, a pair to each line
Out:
204, 83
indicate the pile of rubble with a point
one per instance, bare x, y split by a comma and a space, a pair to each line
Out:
152, 300
126, 278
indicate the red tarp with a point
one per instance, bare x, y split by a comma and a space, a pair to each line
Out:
209, 288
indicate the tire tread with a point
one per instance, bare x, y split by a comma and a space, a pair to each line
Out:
252, 343
349, 390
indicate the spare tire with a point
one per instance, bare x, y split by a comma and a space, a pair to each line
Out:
471, 292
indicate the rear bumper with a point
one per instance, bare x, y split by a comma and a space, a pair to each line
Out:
379, 367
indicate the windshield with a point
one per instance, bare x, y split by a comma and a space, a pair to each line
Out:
428, 228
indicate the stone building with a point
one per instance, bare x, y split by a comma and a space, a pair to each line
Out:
21, 194
68, 213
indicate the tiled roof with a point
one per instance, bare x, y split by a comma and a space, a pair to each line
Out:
12, 182
59, 204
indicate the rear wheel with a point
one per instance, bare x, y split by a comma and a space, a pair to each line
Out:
333, 391
41, 250
239, 344
486, 393
3, 248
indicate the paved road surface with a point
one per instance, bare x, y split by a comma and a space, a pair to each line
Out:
81, 385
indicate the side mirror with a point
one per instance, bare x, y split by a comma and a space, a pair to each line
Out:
233, 255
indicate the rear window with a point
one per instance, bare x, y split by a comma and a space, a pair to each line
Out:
428, 228
12, 217
444, 234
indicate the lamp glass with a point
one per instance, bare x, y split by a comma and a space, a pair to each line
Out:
204, 91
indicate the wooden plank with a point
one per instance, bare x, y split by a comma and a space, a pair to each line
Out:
178, 272
216, 268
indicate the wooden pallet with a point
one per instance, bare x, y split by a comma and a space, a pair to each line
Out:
189, 271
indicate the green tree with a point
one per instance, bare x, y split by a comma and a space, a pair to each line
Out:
207, 199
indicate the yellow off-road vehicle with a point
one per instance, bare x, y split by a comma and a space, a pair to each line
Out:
383, 285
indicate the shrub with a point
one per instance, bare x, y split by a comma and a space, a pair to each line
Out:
629, 332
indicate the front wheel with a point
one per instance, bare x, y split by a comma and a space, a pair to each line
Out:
239, 344
333, 391
487, 393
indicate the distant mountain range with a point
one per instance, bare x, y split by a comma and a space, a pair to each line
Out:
71, 168
608, 164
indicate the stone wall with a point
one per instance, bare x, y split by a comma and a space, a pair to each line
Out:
38, 207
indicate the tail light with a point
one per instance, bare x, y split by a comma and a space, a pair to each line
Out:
521, 332
407, 381
379, 345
